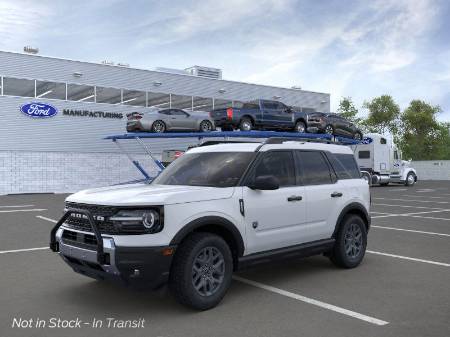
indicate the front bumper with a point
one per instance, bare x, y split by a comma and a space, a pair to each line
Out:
136, 267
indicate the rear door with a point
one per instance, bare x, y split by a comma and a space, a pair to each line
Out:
324, 194
274, 219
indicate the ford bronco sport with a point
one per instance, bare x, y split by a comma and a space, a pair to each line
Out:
217, 209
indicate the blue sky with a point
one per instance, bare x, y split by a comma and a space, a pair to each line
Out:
360, 49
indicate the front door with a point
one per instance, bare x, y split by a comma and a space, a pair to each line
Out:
275, 218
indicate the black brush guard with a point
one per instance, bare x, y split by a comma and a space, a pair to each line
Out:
101, 256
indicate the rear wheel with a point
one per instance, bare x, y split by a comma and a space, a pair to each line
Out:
410, 179
300, 127
351, 242
205, 126
329, 129
201, 271
245, 124
159, 127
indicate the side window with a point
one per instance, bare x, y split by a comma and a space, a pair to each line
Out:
165, 112
280, 164
178, 112
314, 168
269, 105
364, 154
345, 166
395, 155
383, 141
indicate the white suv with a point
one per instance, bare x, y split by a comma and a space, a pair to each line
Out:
217, 209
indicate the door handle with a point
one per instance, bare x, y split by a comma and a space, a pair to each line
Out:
336, 194
294, 198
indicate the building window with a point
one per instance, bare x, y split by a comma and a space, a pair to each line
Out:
18, 87
133, 97
158, 100
222, 103
182, 102
50, 90
202, 104
80, 93
108, 95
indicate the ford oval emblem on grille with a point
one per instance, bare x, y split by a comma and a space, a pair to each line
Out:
38, 110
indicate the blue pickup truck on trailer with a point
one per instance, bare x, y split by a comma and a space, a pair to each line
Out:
260, 115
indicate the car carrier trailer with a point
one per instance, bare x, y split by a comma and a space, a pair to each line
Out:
379, 159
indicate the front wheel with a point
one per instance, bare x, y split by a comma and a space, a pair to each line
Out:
206, 126
410, 179
358, 136
201, 271
351, 242
300, 127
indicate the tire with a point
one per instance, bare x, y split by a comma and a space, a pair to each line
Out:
357, 135
410, 179
300, 127
329, 129
351, 236
384, 184
191, 252
158, 126
206, 126
367, 177
245, 124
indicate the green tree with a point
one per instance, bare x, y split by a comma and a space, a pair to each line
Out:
384, 115
348, 110
422, 136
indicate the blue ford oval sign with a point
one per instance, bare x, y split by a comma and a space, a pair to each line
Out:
39, 110
367, 140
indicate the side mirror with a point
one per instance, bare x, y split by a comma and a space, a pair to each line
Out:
265, 183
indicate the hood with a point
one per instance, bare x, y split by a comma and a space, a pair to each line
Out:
144, 194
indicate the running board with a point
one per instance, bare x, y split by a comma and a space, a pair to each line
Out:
297, 251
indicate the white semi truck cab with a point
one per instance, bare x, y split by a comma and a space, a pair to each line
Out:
380, 161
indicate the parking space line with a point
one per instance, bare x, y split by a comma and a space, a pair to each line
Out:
45, 218
413, 200
16, 206
321, 304
23, 210
409, 258
408, 196
410, 230
429, 217
407, 206
410, 214
22, 250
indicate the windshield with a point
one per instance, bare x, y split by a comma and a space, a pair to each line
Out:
216, 169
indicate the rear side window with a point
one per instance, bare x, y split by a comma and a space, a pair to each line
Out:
250, 106
364, 154
270, 105
345, 166
279, 164
314, 168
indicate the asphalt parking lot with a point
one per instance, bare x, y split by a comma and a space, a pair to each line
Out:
402, 288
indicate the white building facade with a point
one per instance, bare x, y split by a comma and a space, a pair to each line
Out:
66, 152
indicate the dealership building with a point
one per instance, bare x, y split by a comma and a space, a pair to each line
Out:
66, 150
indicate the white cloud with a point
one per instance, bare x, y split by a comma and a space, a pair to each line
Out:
21, 22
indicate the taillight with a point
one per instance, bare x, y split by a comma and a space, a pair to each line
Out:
138, 117
230, 113
178, 154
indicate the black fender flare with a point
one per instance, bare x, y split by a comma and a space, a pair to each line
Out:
215, 221
354, 207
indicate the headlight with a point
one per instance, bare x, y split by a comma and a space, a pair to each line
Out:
147, 220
